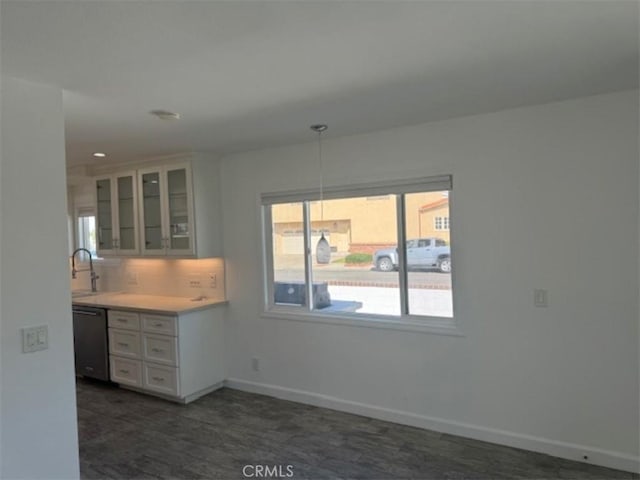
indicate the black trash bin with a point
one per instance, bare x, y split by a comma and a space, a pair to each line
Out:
295, 293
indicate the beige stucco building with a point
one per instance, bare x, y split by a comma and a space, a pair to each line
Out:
361, 224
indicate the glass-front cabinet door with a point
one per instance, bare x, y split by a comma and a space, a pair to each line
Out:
104, 216
166, 210
117, 216
180, 222
127, 214
153, 239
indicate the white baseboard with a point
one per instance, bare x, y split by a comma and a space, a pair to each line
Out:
555, 448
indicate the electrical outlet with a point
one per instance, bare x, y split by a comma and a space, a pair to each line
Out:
35, 338
213, 280
540, 297
131, 277
194, 281
255, 364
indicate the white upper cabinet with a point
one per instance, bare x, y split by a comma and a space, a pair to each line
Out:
166, 207
117, 215
164, 210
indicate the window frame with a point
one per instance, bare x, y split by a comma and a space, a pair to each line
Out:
306, 313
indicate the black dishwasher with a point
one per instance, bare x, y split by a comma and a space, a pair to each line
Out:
90, 342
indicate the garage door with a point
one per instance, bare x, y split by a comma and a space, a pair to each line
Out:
293, 244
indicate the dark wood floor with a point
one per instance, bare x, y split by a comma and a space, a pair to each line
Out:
126, 435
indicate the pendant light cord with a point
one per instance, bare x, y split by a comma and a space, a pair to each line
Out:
321, 179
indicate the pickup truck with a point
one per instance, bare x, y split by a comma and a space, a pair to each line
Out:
421, 253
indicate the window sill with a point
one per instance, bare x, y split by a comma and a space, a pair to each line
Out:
432, 325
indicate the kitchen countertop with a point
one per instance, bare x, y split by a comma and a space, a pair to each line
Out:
145, 303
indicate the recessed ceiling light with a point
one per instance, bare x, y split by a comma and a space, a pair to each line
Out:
165, 115
99, 154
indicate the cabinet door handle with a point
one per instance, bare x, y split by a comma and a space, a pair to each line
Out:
125, 345
89, 369
158, 379
82, 312
157, 350
123, 320
159, 325
125, 372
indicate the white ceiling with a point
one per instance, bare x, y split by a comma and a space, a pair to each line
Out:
245, 75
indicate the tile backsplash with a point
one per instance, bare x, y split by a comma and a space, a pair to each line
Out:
174, 277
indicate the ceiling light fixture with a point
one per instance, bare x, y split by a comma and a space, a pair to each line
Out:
165, 115
99, 155
323, 249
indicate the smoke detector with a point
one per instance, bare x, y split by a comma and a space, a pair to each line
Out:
165, 115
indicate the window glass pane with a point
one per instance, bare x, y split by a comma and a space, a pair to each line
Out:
428, 263
287, 230
360, 274
87, 236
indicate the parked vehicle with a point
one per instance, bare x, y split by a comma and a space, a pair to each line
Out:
428, 252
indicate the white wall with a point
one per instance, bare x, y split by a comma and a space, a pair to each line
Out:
544, 197
37, 390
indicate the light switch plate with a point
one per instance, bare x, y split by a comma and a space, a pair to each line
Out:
540, 297
213, 280
35, 339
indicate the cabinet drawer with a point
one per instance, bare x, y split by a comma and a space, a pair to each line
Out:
160, 379
159, 324
126, 371
124, 343
125, 320
160, 349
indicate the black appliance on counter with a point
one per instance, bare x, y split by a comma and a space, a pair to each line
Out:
90, 342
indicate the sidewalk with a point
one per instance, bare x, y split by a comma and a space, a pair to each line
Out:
386, 301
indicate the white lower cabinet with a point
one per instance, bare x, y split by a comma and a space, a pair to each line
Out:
160, 379
177, 357
124, 343
125, 370
160, 349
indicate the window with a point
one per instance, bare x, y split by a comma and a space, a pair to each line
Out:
364, 273
441, 223
87, 233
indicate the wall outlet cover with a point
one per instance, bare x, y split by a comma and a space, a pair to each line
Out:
194, 281
540, 297
131, 277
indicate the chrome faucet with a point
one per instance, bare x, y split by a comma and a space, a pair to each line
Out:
74, 271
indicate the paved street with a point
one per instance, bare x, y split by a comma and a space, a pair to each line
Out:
341, 275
